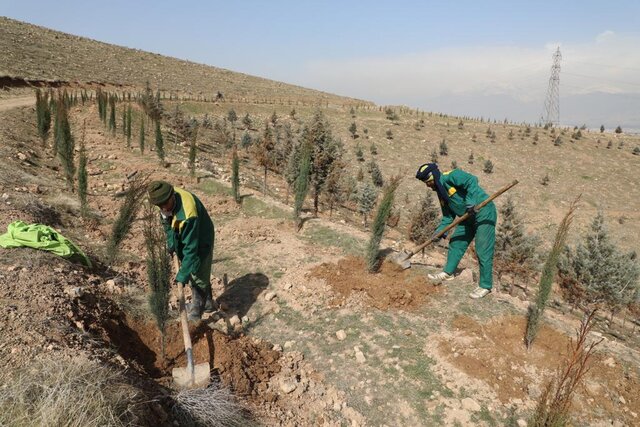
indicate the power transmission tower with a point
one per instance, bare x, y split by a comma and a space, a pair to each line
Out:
552, 101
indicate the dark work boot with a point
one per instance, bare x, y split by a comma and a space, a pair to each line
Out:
209, 304
194, 310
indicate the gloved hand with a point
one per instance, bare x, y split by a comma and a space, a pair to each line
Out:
471, 210
436, 239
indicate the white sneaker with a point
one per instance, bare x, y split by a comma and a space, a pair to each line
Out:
439, 277
479, 293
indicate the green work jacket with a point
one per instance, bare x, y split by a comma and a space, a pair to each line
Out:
463, 190
190, 233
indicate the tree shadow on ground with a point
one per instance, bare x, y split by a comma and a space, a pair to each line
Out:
241, 293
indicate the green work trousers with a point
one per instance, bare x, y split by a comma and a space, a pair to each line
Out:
202, 278
483, 228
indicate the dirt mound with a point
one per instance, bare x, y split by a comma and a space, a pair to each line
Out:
391, 287
495, 353
244, 364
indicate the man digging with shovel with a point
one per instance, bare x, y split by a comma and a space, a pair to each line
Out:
191, 235
458, 193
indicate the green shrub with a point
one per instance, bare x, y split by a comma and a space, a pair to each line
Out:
597, 272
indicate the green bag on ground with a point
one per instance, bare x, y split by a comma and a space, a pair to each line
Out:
39, 236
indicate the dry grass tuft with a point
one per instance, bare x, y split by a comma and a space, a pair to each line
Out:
211, 406
72, 393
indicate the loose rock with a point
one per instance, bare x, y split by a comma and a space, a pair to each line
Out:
470, 405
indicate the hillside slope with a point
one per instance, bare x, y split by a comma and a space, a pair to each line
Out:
36, 53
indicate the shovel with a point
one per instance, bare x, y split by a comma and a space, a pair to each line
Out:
402, 258
193, 375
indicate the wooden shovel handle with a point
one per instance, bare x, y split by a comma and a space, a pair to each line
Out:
460, 219
186, 337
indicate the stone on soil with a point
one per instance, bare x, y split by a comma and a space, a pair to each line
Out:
470, 404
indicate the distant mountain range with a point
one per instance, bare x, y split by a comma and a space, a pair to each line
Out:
592, 109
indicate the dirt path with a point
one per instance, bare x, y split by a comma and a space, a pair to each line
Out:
23, 101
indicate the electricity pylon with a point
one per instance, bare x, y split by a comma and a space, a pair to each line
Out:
552, 101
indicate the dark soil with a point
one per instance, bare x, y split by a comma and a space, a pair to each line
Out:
243, 364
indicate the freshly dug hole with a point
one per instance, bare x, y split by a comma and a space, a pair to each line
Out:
243, 364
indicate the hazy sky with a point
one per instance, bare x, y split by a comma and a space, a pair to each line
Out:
489, 58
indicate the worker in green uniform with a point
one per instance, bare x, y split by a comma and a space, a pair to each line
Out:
458, 193
190, 235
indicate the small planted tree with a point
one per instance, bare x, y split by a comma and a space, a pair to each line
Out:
233, 118
292, 168
353, 129
389, 134
618, 129
334, 186
235, 176
444, 149
515, 250
359, 153
302, 182
264, 153
434, 156
246, 141
534, 315
377, 230
112, 115
424, 221
545, 180
126, 215
129, 118
373, 149
141, 139
326, 151
158, 271
554, 403
82, 173
366, 200
488, 166
193, 148
159, 143
247, 122
470, 160
64, 142
597, 272
43, 115
376, 174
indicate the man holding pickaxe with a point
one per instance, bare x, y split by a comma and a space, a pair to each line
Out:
459, 193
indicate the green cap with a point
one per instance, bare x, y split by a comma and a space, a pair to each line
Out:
159, 192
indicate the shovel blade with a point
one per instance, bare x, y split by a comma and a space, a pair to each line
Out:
183, 379
401, 260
